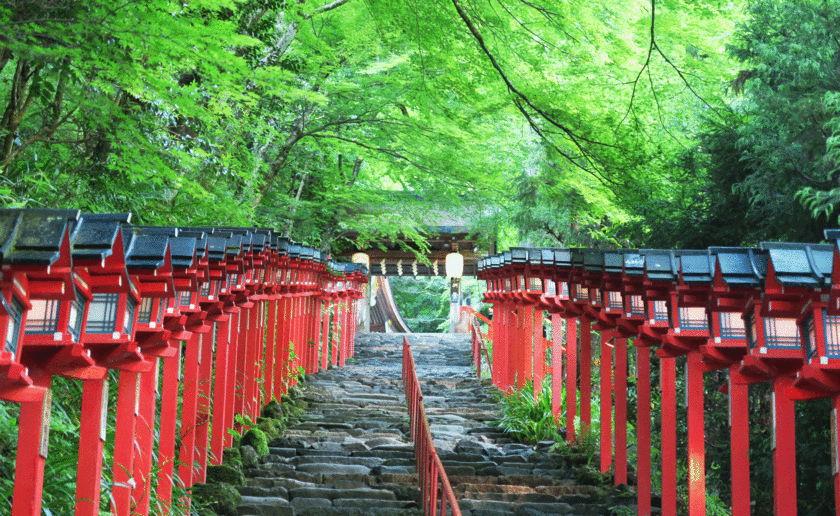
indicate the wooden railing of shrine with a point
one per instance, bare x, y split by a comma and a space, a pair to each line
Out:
769, 314
228, 316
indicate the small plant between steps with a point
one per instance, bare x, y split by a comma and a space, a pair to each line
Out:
528, 419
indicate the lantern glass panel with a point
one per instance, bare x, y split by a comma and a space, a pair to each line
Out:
489, 285
659, 309
205, 289
507, 284
550, 287
614, 301
262, 275
781, 333
184, 298
635, 305
811, 334
77, 309
693, 318
535, 284
145, 314
102, 313
581, 292
832, 335
13, 331
595, 295
564, 291
521, 284
232, 280
752, 328
731, 326
43, 316
128, 320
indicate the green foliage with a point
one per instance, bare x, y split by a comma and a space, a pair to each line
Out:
257, 439
526, 418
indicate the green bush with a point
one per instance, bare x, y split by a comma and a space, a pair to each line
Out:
526, 418
257, 439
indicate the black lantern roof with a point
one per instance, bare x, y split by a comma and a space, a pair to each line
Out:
283, 245
697, 266
634, 263
183, 252
535, 257
294, 251
801, 265
518, 255
661, 264
547, 256
507, 258
577, 258
216, 248
613, 262
94, 235
593, 260
33, 237
741, 266
307, 253
562, 257
144, 249
233, 245
496, 261
202, 239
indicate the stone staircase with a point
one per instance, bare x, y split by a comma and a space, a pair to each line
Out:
351, 456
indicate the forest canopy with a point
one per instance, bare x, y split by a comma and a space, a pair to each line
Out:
667, 123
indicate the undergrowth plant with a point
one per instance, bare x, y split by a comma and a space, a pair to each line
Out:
526, 418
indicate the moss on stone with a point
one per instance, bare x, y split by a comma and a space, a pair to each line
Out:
271, 427
272, 410
257, 439
226, 474
587, 475
232, 457
222, 499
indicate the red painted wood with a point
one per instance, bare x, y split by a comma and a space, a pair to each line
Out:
668, 377
252, 342
585, 375
620, 410
89, 470
29, 464
835, 456
325, 335
606, 400
124, 443
145, 440
230, 382
281, 348
270, 348
336, 332
168, 421
220, 393
539, 351
500, 322
784, 455
571, 378
643, 441
556, 366
189, 409
241, 361
696, 436
202, 430
739, 431
526, 347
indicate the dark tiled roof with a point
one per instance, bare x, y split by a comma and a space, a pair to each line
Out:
145, 249
33, 237
94, 235
697, 266
593, 260
741, 266
661, 264
801, 265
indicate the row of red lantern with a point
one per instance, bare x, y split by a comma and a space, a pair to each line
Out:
767, 315
82, 294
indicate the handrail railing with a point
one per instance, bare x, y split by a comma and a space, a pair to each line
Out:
429, 467
479, 339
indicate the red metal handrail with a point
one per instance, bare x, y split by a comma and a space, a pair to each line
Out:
429, 467
479, 346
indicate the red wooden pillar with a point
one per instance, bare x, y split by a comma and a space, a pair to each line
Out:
230, 382
220, 392
539, 351
571, 378
168, 421
643, 444
281, 349
202, 431
556, 366
252, 340
513, 346
835, 456
620, 410
325, 335
145, 440
696, 436
346, 331
739, 431
668, 387
189, 406
241, 361
270, 349
527, 346
606, 400
500, 323
258, 376
784, 452
585, 375
336, 333
91, 440
127, 408
33, 437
